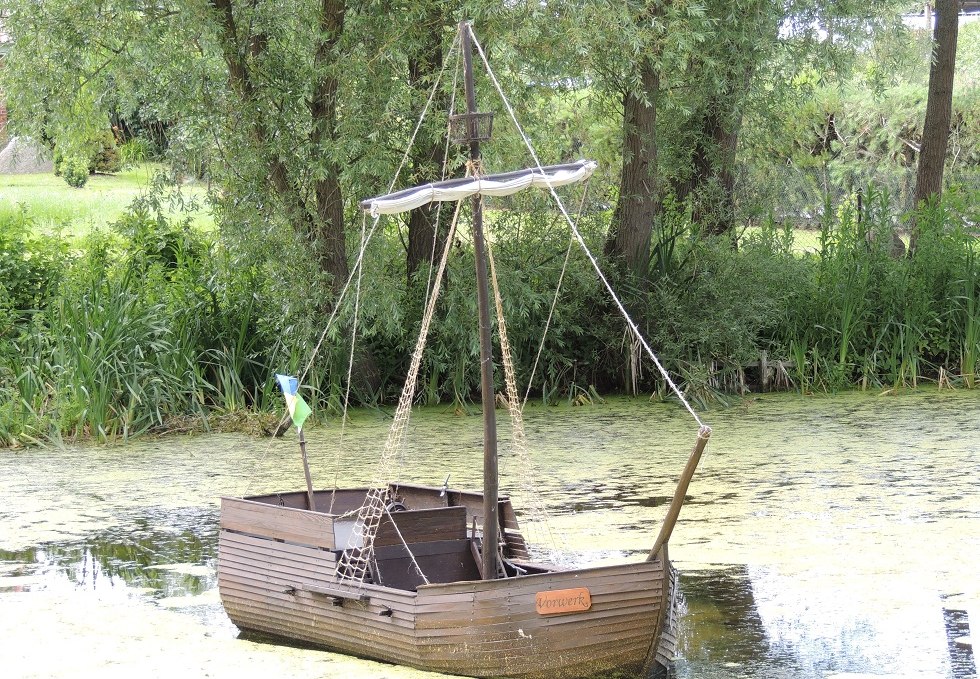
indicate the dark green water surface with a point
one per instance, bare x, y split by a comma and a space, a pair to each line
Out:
823, 535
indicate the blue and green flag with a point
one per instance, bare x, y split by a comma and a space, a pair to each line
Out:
298, 410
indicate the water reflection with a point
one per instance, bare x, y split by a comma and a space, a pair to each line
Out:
819, 539
750, 622
721, 627
159, 556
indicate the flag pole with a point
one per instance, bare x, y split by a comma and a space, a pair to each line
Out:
306, 470
298, 412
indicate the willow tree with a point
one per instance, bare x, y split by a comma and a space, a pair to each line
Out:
288, 107
939, 106
754, 57
251, 89
711, 99
626, 48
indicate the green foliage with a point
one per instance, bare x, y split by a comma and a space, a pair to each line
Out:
139, 331
121, 366
134, 151
74, 170
968, 56
842, 139
101, 153
870, 319
105, 157
154, 321
291, 120
30, 268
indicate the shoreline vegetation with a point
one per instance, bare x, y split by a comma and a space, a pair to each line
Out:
153, 325
769, 191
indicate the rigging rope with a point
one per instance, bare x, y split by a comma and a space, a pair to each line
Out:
554, 301
514, 407
355, 560
374, 225
581, 241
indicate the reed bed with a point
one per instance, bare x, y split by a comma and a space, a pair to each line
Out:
152, 324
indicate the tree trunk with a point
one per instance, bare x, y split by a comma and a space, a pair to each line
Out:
428, 156
713, 179
328, 223
628, 241
935, 131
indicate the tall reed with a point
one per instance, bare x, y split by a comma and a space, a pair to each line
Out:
153, 321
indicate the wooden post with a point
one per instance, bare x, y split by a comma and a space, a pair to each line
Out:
311, 503
491, 530
764, 370
960, 652
675, 505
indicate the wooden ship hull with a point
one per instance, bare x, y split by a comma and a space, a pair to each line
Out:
278, 575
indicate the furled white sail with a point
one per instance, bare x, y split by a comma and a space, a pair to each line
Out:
490, 185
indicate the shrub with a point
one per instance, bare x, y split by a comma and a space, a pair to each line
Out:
30, 267
134, 151
98, 155
105, 157
74, 169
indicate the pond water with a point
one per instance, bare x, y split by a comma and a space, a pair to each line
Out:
822, 537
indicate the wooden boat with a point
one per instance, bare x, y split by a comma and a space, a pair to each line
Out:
403, 573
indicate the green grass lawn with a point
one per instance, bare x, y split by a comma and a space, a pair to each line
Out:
54, 206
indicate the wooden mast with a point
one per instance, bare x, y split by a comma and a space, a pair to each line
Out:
491, 529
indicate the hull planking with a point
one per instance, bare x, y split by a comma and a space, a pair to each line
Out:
277, 574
